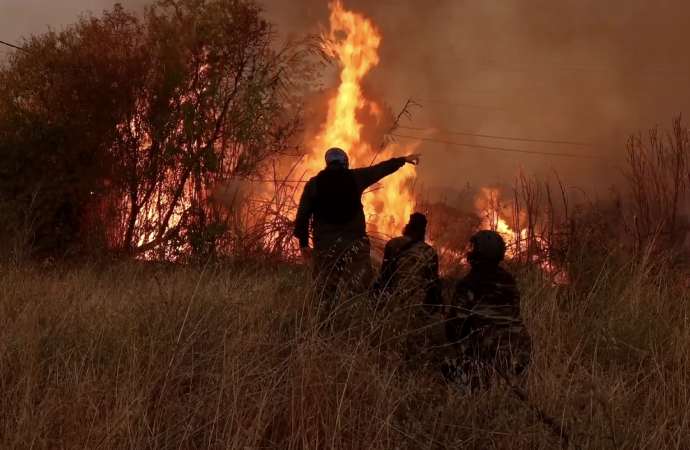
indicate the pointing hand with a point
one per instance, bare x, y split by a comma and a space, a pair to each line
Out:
413, 158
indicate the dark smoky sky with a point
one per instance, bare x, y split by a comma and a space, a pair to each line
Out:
23, 17
576, 70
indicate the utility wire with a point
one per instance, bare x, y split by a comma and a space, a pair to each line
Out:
439, 141
496, 65
499, 149
272, 180
16, 47
460, 105
490, 136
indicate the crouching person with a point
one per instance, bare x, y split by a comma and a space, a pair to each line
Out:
408, 292
484, 323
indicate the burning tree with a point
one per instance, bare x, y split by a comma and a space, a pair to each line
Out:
116, 130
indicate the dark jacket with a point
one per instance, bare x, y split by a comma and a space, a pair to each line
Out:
333, 200
486, 324
487, 297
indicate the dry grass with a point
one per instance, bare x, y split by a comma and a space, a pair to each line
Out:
232, 357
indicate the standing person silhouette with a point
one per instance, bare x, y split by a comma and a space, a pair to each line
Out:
332, 203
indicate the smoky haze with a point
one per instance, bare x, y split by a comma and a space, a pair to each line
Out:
20, 18
574, 70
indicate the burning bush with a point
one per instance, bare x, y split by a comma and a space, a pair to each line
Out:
114, 131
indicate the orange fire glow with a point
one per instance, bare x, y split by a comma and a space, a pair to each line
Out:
353, 41
491, 210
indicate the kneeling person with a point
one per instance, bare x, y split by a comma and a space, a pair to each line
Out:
485, 319
408, 289
410, 266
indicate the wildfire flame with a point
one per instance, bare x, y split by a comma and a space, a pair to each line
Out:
489, 207
353, 41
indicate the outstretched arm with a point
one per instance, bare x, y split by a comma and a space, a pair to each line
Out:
304, 213
366, 176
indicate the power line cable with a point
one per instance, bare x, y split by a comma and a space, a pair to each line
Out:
273, 180
16, 47
459, 105
440, 141
496, 65
499, 149
492, 136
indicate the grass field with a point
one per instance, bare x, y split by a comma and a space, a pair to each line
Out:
152, 357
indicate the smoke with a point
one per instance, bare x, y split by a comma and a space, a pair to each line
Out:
576, 70
21, 18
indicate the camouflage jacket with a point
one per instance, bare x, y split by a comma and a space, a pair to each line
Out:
410, 269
